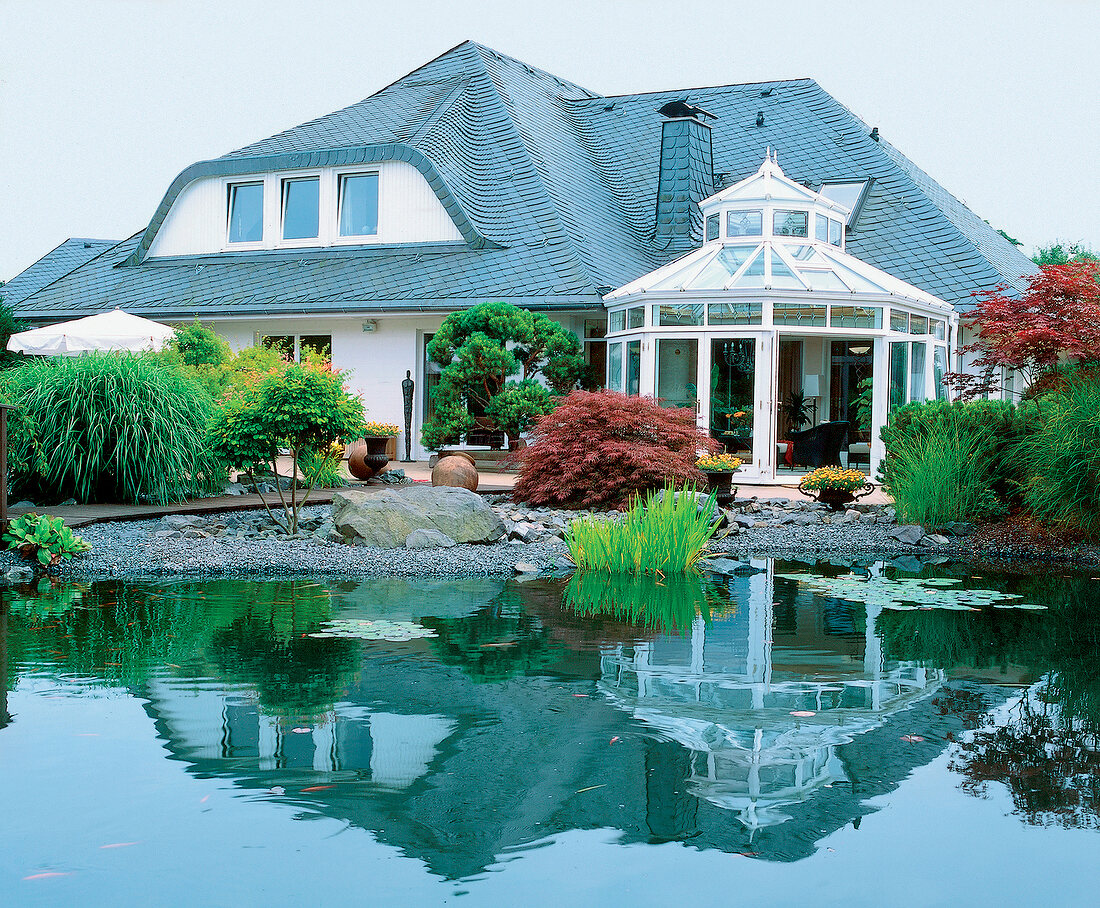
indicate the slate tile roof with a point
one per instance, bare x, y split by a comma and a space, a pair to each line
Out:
560, 184
53, 265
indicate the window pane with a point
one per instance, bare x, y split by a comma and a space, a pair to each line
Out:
677, 372
823, 280
594, 328
246, 213
744, 223
916, 372
359, 204
634, 368
899, 356
300, 199
899, 321
614, 367
939, 367
918, 324
836, 232
318, 344
821, 228
674, 314
734, 313
616, 321
786, 313
790, 223
855, 317
938, 330
283, 343
782, 276
753, 275
635, 317
712, 227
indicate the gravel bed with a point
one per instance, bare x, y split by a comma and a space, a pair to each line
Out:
133, 549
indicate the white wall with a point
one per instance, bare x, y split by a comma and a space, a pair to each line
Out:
408, 212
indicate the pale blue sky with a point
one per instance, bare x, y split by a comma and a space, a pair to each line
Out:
103, 102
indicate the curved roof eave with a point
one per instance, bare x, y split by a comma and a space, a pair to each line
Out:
296, 160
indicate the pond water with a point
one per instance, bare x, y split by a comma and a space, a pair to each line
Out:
801, 734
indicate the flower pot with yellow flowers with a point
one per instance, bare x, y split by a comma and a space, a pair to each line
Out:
836, 486
719, 470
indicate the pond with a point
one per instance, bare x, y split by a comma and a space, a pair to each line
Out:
788, 733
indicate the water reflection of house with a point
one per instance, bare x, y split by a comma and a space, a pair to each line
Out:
457, 772
762, 716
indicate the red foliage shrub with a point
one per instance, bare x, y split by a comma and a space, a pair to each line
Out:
599, 449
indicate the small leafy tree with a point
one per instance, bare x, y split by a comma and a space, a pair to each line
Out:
481, 348
9, 325
303, 408
600, 449
1056, 320
203, 354
1062, 253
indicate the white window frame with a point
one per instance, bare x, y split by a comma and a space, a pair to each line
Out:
361, 238
281, 181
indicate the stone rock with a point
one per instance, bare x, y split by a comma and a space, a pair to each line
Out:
910, 563
67, 503
731, 567
744, 520
29, 505
524, 567
428, 539
935, 539
193, 533
807, 520
958, 528
387, 517
180, 521
19, 573
908, 534
234, 488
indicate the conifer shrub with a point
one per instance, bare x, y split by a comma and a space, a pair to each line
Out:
601, 449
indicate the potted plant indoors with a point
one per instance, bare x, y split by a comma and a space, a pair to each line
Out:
719, 470
836, 486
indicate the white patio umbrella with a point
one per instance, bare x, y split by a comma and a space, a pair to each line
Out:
114, 330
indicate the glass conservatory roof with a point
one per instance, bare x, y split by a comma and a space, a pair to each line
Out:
772, 265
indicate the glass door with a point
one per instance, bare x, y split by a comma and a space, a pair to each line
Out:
742, 380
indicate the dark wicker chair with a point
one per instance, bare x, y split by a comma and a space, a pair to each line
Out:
819, 446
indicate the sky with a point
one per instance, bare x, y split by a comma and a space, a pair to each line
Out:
103, 102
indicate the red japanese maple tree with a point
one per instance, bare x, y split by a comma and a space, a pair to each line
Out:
598, 449
1056, 320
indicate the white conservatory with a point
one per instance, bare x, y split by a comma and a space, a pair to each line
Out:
771, 326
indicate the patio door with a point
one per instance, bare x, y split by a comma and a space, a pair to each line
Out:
741, 400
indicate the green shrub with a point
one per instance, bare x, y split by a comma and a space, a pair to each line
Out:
665, 535
303, 408
320, 471
43, 538
516, 408
1063, 458
1001, 424
942, 477
112, 427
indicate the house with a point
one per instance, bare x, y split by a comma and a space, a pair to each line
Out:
479, 178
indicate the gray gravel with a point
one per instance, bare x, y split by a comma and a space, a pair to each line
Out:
133, 548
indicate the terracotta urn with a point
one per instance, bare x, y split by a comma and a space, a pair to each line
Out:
456, 470
367, 457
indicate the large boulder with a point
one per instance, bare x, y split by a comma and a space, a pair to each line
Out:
386, 518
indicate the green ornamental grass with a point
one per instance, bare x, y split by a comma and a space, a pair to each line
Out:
664, 535
1063, 458
115, 427
941, 477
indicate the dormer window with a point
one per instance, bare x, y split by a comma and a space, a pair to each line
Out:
745, 223
245, 203
301, 207
790, 223
358, 204
712, 227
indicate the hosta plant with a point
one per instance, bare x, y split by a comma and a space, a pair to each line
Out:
43, 539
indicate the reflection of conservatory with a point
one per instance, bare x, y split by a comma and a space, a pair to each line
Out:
771, 310
762, 726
